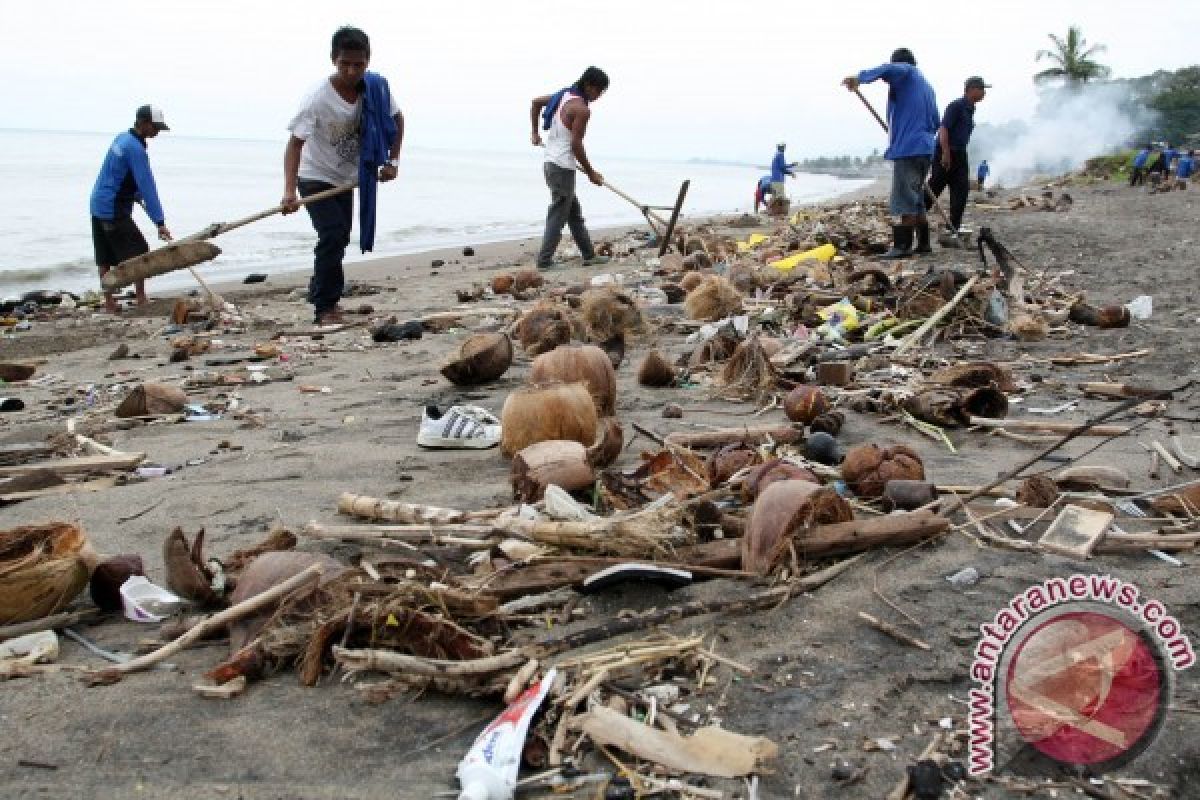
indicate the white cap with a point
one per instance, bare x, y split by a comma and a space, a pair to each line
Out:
152, 114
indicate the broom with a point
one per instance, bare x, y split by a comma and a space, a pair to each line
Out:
191, 250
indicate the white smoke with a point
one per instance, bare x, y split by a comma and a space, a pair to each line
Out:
1069, 127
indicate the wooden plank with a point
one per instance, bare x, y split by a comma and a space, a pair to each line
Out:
79, 464
18, 452
1075, 532
96, 485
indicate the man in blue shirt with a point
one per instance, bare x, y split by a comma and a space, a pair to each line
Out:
125, 178
1138, 175
950, 167
1187, 165
761, 190
982, 173
912, 125
780, 169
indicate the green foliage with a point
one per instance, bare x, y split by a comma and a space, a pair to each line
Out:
1178, 106
1072, 60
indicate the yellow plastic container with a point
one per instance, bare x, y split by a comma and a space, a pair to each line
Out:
824, 254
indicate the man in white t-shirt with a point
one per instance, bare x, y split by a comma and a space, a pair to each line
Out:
323, 152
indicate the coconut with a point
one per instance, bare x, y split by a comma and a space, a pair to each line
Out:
586, 363
715, 298
655, 371
951, 407
822, 448
773, 471
150, 399
42, 568
1037, 492
542, 328
690, 281
610, 439
868, 468
805, 403
609, 313
541, 413
830, 422
527, 279
108, 577
784, 510
749, 372
481, 358
974, 374
727, 461
503, 282
562, 463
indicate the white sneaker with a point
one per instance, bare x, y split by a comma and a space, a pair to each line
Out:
459, 427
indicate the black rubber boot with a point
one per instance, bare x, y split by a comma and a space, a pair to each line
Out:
923, 247
902, 239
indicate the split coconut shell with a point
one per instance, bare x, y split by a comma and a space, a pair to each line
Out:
950, 407
42, 569
542, 413
974, 375
543, 328
715, 298
725, 462
481, 358
867, 468
584, 363
773, 471
150, 399
805, 403
562, 463
656, 371
783, 511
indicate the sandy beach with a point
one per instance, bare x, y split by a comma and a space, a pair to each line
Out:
823, 687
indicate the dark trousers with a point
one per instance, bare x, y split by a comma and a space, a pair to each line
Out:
1138, 176
332, 219
958, 178
564, 210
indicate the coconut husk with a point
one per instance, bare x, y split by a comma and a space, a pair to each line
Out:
781, 513
975, 374
1038, 491
481, 358
503, 282
108, 577
951, 407
585, 363
715, 298
526, 279
149, 399
830, 422
749, 373
542, 413
690, 281
562, 463
725, 462
610, 440
773, 471
42, 568
609, 313
655, 371
745, 278
543, 328
1029, 327
805, 403
867, 468
718, 348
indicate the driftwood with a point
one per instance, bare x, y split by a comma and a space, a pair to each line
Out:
78, 464
751, 436
1046, 426
52, 622
356, 505
865, 534
1117, 391
217, 622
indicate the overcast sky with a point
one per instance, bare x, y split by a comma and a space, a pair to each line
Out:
689, 79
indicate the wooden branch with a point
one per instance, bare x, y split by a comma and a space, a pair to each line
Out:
746, 435
1047, 426
214, 623
356, 505
916, 336
892, 631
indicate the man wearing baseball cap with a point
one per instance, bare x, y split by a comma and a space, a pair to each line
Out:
125, 178
950, 167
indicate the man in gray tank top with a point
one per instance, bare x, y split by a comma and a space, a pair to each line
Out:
564, 116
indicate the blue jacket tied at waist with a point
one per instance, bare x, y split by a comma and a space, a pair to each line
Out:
378, 128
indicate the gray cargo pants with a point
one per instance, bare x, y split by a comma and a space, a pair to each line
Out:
564, 210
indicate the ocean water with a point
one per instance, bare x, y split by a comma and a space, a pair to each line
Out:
442, 198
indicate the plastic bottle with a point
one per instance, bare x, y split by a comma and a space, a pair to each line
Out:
489, 770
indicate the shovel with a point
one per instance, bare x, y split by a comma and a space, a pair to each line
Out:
953, 232
191, 250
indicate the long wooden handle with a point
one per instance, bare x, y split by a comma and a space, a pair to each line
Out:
217, 228
645, 209
871, 108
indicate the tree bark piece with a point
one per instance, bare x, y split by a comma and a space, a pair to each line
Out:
214, 623
751, 436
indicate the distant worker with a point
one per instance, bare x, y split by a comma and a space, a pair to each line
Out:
780, 169
981, 174
763, 190
125, 178
912, 128
1138, 175
1169, 156
950, 167
1185, 168
1157, 168
565, 116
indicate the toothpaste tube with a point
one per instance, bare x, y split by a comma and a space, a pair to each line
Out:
489, 770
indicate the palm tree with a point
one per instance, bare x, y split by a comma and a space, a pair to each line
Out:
1072, 60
